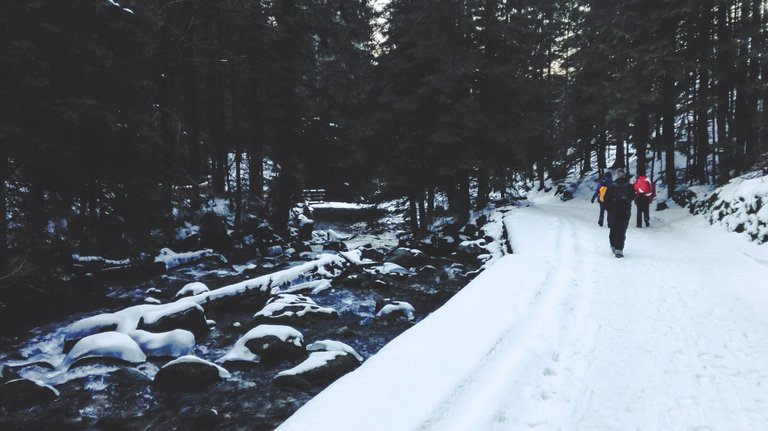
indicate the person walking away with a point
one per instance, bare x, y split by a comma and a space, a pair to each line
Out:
644, 194
602, 186
618, 200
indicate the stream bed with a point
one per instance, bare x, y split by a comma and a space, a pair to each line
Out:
107, 394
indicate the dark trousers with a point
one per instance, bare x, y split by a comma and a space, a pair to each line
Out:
643, 207
603, 209
618, 221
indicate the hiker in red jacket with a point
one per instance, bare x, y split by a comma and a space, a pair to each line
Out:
644, 194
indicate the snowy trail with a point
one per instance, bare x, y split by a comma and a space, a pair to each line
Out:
562, 335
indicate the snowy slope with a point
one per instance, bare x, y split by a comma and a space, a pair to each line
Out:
562, 335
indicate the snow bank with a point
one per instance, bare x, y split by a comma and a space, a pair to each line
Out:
739, 206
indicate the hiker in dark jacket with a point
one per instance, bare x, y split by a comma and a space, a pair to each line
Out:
618, 200
604, 182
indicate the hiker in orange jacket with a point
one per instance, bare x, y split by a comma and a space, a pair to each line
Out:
644, 194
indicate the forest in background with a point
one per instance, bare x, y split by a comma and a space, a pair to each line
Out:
117, 122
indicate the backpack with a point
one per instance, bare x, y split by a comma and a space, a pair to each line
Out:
603, 189
623, 195
644, 187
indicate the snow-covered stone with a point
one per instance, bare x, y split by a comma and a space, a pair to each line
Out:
396, 308
177, 342
109, 345
191, 289
188, 373
320, 368
333, 346
266, 343
314, 287
393, 268
286, 306
171, 259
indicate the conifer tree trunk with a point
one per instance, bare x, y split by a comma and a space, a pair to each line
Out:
3, 201
430, 204
482, 188
238, 149
422, 214
413, 214
722, 89
668, 133
641, 143
600, 144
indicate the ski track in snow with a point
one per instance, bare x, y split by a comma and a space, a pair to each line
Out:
672, 337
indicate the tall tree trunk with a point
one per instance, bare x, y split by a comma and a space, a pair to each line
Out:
413, 214
3, 202
422, 214
600, 144
641, 142
619, 143
236, 135
723, 90
668, 132
482, 188
430, 204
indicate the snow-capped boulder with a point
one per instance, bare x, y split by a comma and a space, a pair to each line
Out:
406, 257
393, 268
319, 369
289, 307
106, 345
314, 287
394, 309
186, 315
368, 252
188, 373
472, 248
178, 342
22, 393
333, 346
192, 289
171, 259
335, 246
267, 344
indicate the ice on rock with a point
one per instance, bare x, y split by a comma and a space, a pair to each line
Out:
240, 351
178, 342
111, 344
192, 289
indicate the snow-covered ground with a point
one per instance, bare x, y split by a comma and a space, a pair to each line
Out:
561, 335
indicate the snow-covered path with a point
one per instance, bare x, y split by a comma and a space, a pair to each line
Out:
562, 335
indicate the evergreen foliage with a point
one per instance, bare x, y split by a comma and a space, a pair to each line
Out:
115, 122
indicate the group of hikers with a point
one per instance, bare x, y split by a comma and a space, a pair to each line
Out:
615, 194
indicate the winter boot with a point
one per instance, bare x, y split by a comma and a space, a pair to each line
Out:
618, 253
600, 222
647, 223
